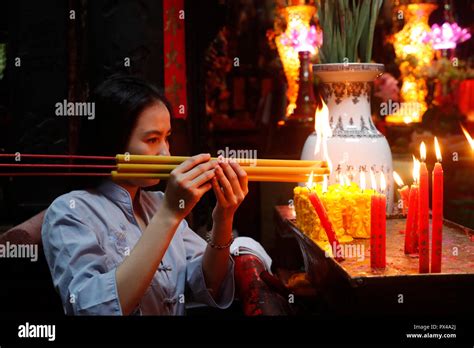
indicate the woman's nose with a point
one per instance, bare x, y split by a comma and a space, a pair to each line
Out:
164, 150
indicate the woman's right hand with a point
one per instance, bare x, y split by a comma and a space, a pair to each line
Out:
188, 183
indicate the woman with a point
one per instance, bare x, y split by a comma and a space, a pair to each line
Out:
116, 249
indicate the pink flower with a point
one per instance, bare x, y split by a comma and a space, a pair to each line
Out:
303, 40
386, 88
447, 36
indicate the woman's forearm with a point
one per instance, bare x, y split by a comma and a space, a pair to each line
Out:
216, 261
135, 273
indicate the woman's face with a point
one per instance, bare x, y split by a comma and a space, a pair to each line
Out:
150, 137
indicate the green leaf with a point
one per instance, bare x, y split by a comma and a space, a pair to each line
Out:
368, 32
348, 29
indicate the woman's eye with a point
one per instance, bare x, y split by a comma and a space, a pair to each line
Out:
152, 140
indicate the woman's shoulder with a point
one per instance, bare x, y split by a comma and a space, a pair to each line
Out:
75, 196
78, 202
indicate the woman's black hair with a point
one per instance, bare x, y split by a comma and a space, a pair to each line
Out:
118, 102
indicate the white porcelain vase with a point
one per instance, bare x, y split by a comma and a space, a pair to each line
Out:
355, 145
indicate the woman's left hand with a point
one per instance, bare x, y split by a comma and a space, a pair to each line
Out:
230, 186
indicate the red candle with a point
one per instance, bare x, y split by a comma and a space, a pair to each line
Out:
404, 192
411, 236
327, 225
378, 206
382, 232
374, 223
411, 224
437, 213
423, 215
323, 216
405, 195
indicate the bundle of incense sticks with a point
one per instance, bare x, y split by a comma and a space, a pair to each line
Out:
158, 167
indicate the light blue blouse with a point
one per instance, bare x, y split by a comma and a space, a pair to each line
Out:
88, 233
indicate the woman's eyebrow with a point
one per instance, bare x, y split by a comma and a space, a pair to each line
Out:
155, 131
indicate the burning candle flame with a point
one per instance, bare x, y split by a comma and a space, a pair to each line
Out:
347, 180
325, 184
323, 114
423, 151
317, 130
468, 137
328, 160
309, 183
416, 169
373, 181
383, 183
322, 129
398, 179
341, 180
362, 180
437, 150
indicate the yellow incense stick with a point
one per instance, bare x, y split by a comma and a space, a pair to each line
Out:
166, 168
264, 178
146, 159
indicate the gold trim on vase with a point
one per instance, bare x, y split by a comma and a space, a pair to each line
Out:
341, 90
349, 67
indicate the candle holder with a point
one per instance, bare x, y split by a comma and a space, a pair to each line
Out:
297, 33
409, 48
305, 103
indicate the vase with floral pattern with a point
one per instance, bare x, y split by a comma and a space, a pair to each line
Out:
355, 145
